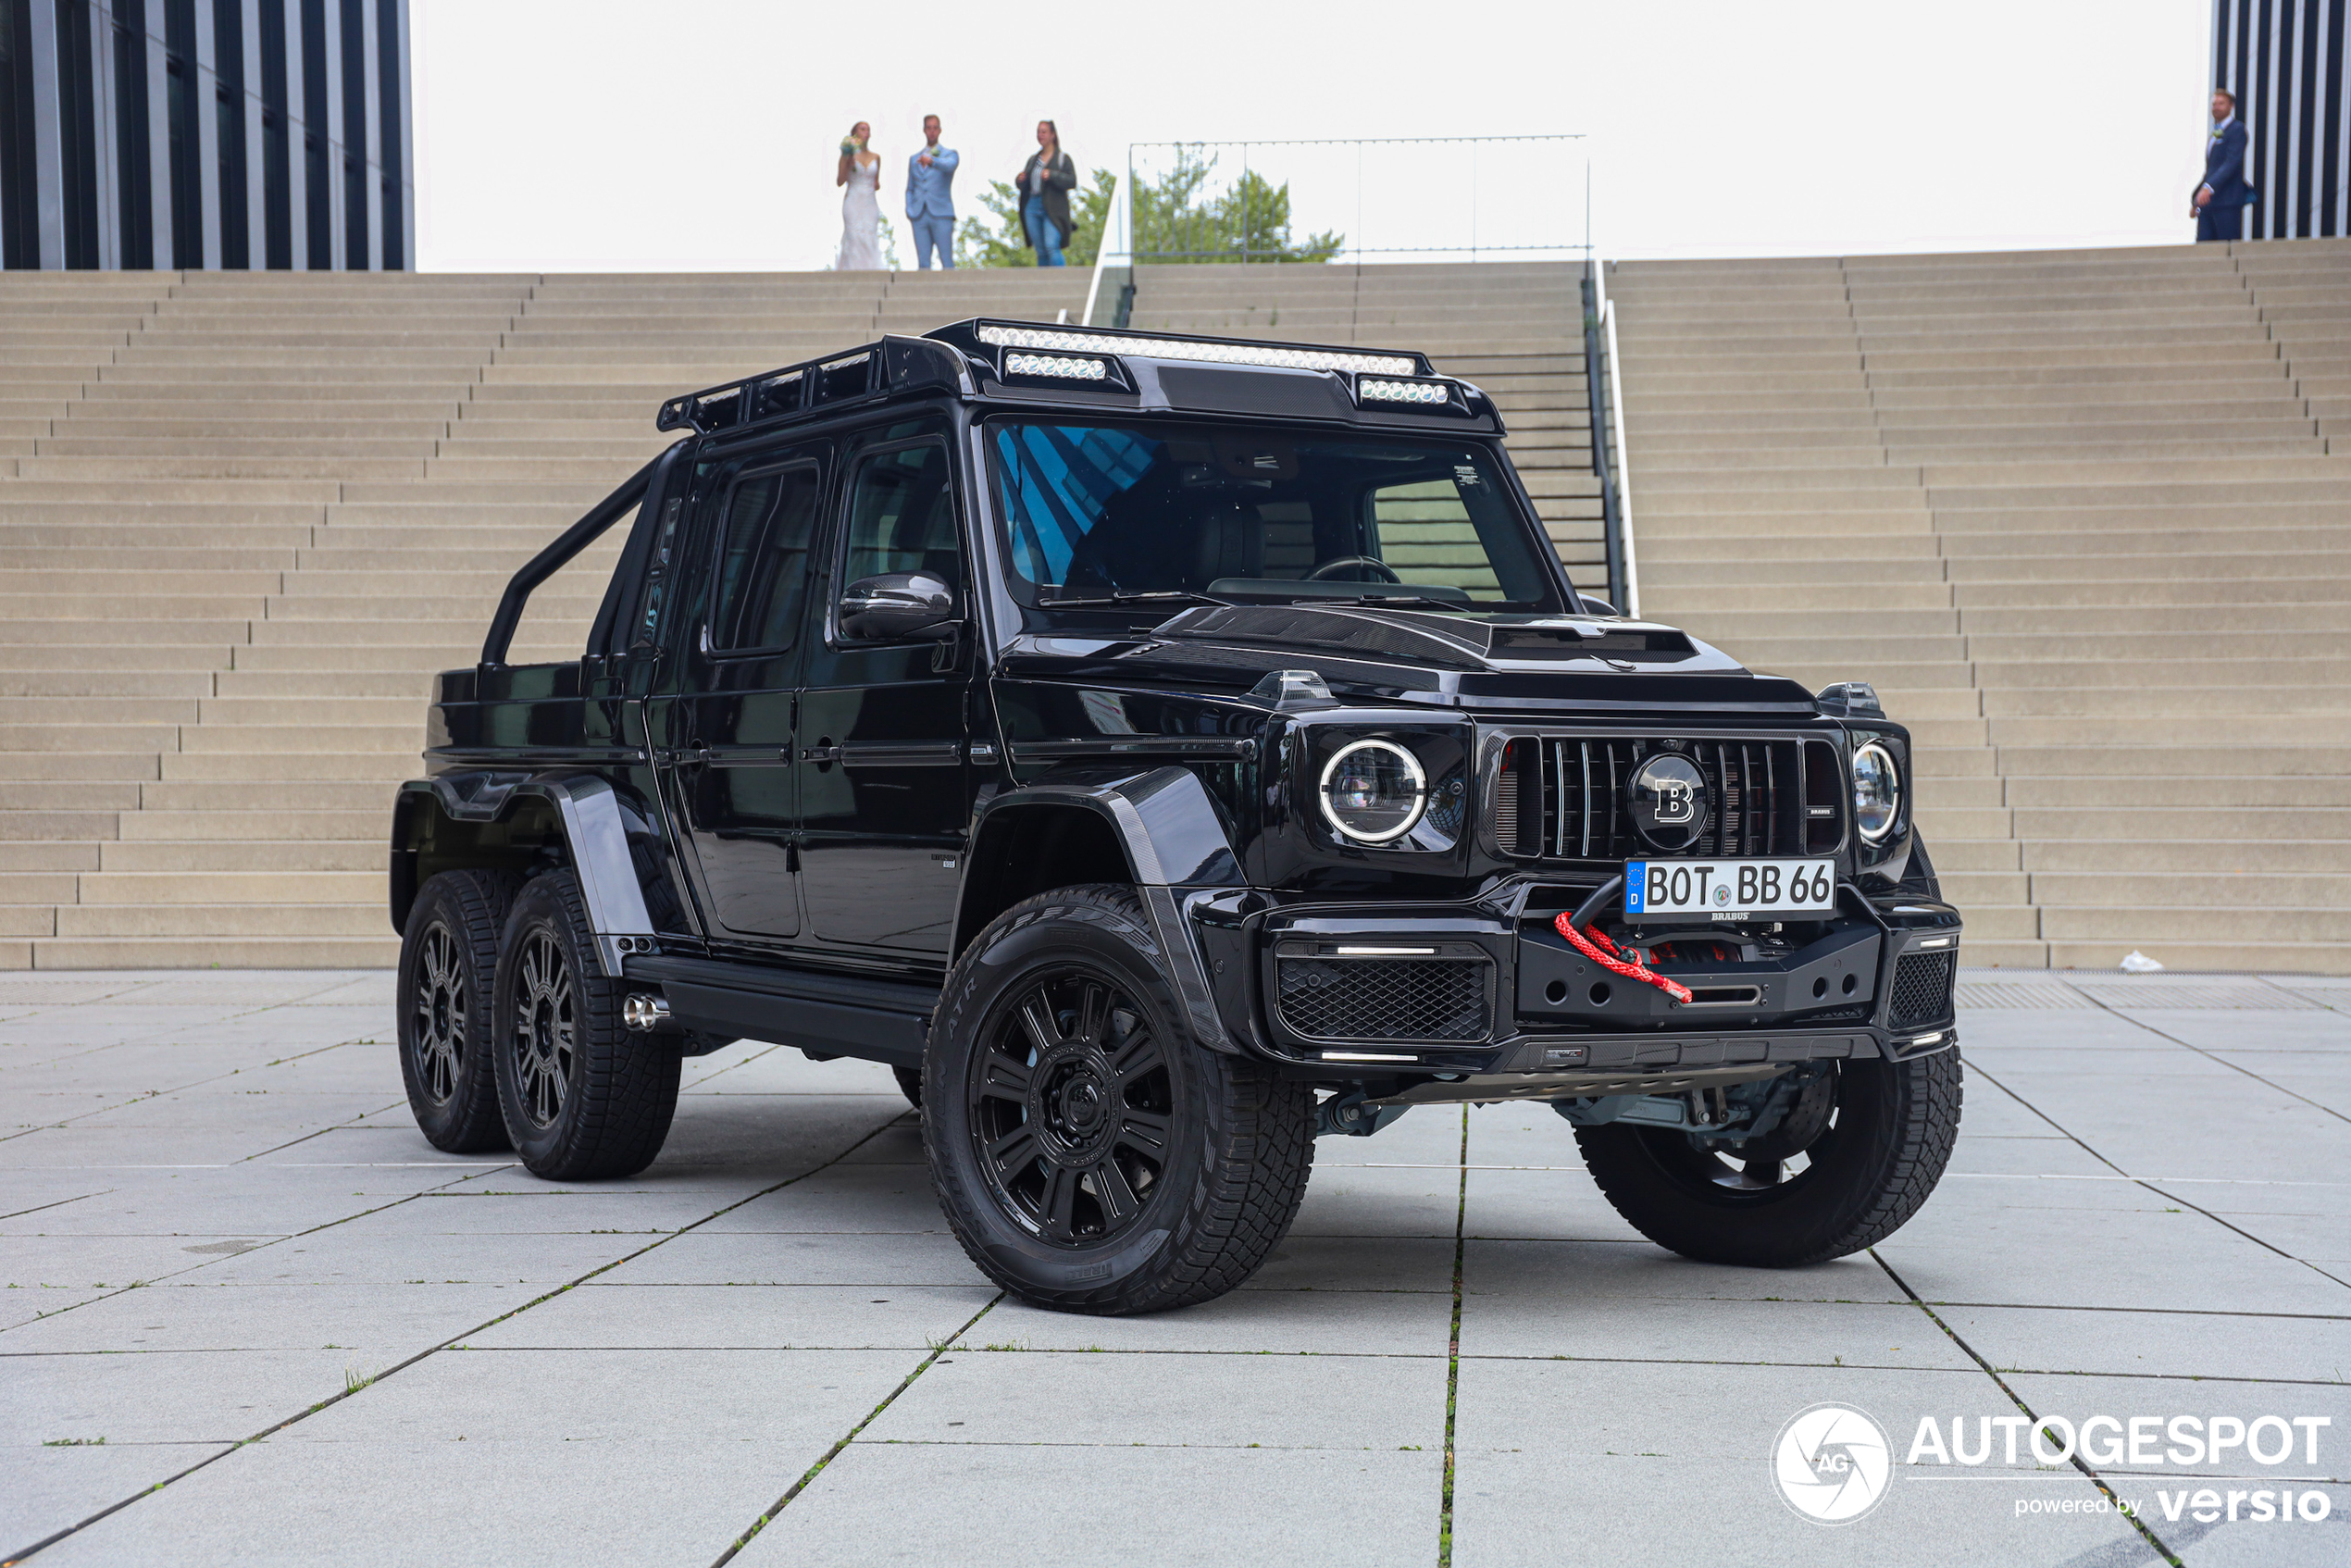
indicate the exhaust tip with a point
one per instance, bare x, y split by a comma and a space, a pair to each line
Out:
644, 1012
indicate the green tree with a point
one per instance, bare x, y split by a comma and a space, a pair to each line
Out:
1248, 222
1001, 241
1173, 221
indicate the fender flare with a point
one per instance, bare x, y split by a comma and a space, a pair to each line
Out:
596, 822
1176, 849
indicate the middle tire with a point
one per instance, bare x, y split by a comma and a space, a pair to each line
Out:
582, 1097
1091, 1154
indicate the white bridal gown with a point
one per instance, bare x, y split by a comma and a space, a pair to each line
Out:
861, 222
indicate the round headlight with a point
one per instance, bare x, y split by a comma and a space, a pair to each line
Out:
1877, 792
1373, 791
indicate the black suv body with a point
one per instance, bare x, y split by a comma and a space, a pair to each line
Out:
1164, 750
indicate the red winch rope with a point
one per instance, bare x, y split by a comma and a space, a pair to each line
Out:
1630, 968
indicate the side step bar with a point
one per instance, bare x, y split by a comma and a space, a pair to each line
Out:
833, 1015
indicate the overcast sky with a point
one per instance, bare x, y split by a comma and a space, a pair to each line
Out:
557, 135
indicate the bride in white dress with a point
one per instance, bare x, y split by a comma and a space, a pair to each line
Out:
860, 204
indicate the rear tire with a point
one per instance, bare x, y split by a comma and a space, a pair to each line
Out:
447, 977
1092, 1155
1864, 1175
583, 1097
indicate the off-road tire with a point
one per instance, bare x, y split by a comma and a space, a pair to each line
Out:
1896, 1122
582, 1097
448, 964
1238, 1139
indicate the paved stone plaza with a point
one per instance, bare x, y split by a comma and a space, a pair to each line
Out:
252, 1313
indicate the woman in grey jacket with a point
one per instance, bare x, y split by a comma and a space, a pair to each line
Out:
1044, 186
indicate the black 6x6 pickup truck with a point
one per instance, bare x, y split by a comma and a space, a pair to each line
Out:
1163, 751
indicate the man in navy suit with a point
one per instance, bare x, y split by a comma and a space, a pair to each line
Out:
930, 198
2218, 204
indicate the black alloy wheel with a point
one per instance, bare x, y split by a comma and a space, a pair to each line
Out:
1070, 1105
546, 1027
1091, 1154
448, 959
583, 1097
1849, 1167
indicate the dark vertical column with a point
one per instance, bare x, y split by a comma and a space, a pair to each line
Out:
180, 111
2307, 122
77, 137
227, 103
322, 78
2333, 125
16, 143
134, 191
352, 127
277, 186
391, 55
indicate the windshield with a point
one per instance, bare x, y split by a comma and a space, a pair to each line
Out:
1096, 513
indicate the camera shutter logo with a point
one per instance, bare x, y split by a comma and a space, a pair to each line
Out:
1833, 1463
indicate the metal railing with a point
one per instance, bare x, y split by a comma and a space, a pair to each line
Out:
1604, 390
1431, 198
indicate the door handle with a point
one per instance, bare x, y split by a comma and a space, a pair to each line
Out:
821, 754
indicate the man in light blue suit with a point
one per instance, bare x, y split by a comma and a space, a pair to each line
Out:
930, 198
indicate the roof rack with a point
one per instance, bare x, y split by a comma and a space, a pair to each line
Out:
945, 357
894, 363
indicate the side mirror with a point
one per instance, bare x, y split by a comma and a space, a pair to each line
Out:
897, 606
1596, 605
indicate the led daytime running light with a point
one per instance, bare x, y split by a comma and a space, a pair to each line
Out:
1216, 354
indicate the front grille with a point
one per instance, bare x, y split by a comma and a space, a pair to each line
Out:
1567, 798
1385, 999
1922, 988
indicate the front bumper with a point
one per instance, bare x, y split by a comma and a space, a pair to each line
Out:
1495, 998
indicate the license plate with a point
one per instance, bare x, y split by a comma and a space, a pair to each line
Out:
1727, 890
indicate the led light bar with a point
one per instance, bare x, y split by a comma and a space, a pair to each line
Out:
1061, 367
1370, 391
1215, 354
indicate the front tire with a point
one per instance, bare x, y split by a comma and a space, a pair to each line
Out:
1091, 1154
582, 1097
448, 963
1887, 1138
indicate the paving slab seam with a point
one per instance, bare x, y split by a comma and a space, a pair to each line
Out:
2030, 1414
58, 1204
847, 1438
182, 1089
2149, 1183
2160, 1034
1454, 1356
431, 1351
208, 1262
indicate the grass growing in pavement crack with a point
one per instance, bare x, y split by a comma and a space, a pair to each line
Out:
1453, 1357
938, 1348
2017, 1400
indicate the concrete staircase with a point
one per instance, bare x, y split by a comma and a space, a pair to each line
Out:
2076, 515
248, 516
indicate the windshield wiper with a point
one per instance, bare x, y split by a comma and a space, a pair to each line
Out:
1382, 599
1156, 596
